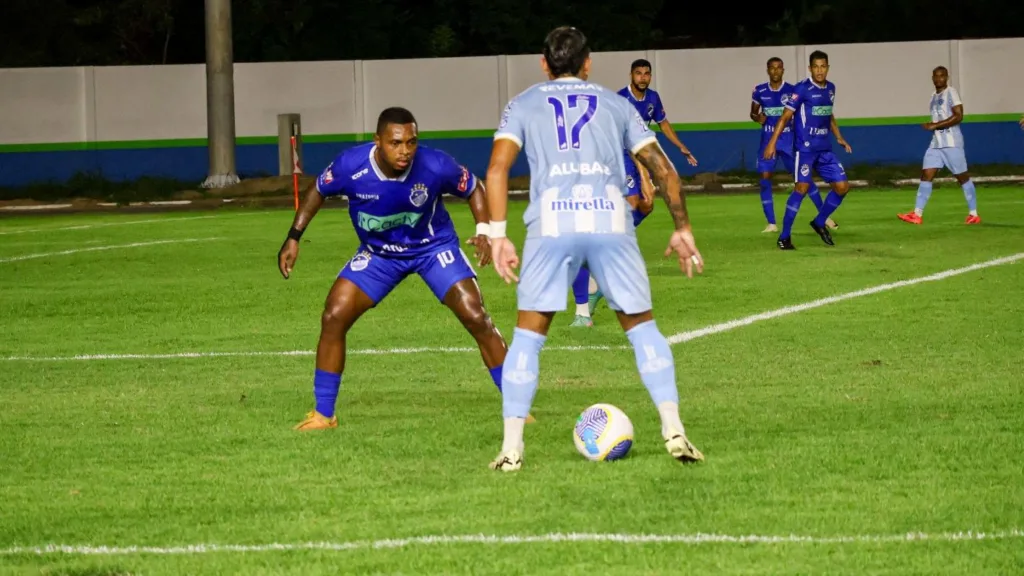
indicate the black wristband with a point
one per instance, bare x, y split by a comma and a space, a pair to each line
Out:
294, 233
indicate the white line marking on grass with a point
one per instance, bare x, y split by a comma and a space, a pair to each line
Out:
556, 538
126, 223
98, 248
673, 339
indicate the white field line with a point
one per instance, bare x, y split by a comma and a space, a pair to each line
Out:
673, 339
125, 223
555, 538
98, 248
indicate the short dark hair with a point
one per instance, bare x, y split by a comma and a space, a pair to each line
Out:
565, 51
943, 68
640, 63
773, 59
817, 55
394, 115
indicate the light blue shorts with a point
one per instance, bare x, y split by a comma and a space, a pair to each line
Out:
952, 158
550, 264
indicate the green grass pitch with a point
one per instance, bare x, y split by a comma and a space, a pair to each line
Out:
831, 433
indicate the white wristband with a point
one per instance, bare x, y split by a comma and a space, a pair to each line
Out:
497, 229
483, 229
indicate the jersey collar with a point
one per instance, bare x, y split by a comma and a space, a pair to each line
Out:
629, 94
380, 174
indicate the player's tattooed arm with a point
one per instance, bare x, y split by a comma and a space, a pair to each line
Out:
666, 181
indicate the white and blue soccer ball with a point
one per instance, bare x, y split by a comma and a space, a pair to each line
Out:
603, 432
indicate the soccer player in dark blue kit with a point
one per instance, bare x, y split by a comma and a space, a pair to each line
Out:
394, 187
811, 103
768, 102
641, 195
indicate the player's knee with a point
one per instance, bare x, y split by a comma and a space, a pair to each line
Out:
841, 188
336, 316
476, 319
962, 178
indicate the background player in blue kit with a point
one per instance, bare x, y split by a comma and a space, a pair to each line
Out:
574, 132
768, 102
640, 196
394, 189
650, 108
811, 103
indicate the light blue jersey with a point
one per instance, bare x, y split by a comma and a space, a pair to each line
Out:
573, 132
941, 108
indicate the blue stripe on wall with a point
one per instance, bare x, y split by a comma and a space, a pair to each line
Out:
987, 143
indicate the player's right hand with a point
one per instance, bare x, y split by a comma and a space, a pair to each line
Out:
683, 244
503, 253
287, 256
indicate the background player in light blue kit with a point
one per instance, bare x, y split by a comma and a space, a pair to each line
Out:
768, 101
650, 108
811, 104
394, 189
946, 148
574, 132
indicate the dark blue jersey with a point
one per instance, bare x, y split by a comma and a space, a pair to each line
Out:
403, 216
649, 106
812, 105
773, 103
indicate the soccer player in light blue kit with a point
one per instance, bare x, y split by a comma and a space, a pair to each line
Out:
574, 132
946, 149
811, 103
639, 189
394, 188
767, 104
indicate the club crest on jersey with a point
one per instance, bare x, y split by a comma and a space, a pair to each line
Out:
785, 99
419, 194
650, 110
630, 183
328, 176
831, 96
805, 170
360, 261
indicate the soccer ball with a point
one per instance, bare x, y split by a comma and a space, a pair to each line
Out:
603, 432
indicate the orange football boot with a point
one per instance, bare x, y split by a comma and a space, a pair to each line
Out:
910, 217
972, 219
317, 421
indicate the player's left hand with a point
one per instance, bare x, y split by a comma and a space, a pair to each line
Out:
846, 146
928, 126
482, 243
683, 244
689, 156
505, 259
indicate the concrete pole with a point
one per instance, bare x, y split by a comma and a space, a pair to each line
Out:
220, 95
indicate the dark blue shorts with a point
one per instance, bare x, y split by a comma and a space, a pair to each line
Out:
633, 186
377, 275
826, 164
768, 166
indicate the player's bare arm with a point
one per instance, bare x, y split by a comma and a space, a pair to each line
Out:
755, 113
666, 179
670, 133
839, 137
956, 118
481, 241
769, 148
503, 253
289, 251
